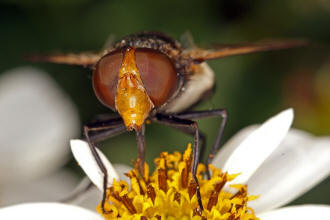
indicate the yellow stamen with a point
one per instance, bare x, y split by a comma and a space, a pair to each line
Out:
170, 194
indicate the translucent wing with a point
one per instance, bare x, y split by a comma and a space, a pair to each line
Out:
81, 59
200, 55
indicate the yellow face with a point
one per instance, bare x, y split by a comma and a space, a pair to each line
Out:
131, 101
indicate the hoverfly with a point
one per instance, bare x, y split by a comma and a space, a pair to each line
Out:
150, 76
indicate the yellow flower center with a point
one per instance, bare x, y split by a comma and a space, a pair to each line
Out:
170, 193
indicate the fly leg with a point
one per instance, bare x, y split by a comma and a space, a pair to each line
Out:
190, 132
207, 114
141, 149
110, 128
94, 137
187, 124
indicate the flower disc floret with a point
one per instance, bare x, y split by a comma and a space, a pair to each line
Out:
169, 193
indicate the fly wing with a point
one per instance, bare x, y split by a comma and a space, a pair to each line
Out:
200, 55
80, 59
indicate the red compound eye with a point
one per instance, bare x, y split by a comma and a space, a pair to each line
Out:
158, 74
105, 78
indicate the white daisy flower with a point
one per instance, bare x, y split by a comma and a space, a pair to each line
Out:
36, 121
276, 163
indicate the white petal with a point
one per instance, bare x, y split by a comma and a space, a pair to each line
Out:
54, 187
86, 160
302, 212
89, 199
230, 146
84, 195
255, 149
93, 196
298, 164
49, 211
36, 122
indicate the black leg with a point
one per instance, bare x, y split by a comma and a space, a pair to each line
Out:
94, 137
188, 124
202, 137
206, 114
110, 128
99, 135
101, 125
100, 164
141, 149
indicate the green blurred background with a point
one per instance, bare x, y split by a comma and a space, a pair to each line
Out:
251, 87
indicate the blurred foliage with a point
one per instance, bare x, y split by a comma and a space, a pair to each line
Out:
251, 87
